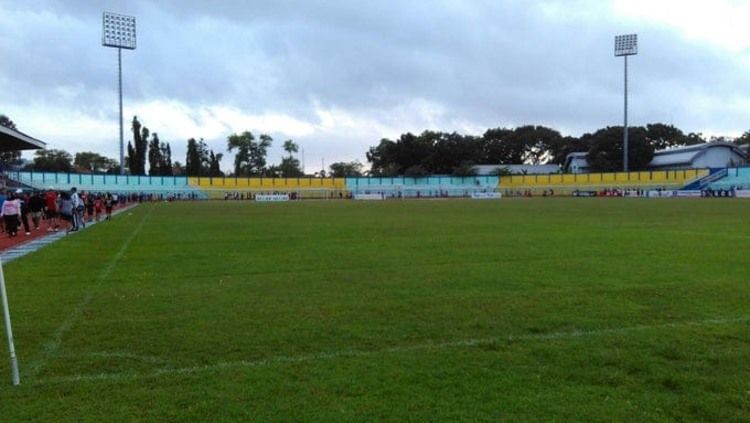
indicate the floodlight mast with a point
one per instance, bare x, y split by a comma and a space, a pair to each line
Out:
118, 31
626, 45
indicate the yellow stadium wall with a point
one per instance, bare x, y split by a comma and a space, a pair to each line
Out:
564, 184
216, 187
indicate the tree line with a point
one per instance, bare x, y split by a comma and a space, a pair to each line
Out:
200, 160
431, 152
451, 153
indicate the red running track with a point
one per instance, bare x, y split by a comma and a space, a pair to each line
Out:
20, 239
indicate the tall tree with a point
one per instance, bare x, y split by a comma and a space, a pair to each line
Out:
155, 158
743, 139
290, 147
537, 143
137, 157
662, 136
695, 138
290, 166
214, 168
166, 163
193, 158
242, 143
606, 151
502, 146
52, 161
178, 169
250, 156
94, 162
131, 159
200, 160
258, 154
9, 158
159, 157
382, 158
6, 122
343, 169
451, 153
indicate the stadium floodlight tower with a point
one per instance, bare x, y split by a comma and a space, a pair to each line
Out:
118, 31
626, 45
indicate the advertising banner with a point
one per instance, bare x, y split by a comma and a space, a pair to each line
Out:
486, 195
272, 197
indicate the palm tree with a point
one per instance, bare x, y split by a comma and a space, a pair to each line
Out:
290, 147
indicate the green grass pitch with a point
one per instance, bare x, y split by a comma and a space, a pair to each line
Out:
510, 310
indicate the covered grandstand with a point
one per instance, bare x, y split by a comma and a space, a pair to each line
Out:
14, 140
706, 155
717, 154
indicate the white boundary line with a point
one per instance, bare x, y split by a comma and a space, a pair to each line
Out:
353, 353
53, 344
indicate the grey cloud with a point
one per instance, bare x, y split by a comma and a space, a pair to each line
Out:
489, 63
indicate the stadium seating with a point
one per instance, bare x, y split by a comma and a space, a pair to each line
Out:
305, 187
564, 184
429, 186
395, 187
164, 185
432, 186
736, 178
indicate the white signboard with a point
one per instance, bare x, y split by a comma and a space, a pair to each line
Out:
659, 194
272, 197
742, 193
688, 194
486, 195
378, 196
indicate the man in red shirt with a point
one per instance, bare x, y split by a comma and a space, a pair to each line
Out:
50, 203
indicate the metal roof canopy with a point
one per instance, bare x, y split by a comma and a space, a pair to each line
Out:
686, 154
12, 140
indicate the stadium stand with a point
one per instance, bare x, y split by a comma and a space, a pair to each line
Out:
303, 188
429, 186
388, 187
565, 184
159, 185
735, 178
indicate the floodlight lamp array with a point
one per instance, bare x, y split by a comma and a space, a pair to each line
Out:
118, 31
626, 45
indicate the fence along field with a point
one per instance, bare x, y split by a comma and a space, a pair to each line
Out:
451, 310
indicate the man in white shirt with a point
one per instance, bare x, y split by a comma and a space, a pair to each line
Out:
77, 209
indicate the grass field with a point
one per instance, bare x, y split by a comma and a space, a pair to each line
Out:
511, 310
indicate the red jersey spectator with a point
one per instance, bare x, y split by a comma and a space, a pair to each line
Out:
50, 203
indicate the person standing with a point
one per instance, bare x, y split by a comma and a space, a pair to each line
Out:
11, 212
77, 204
52, 210
36, 207
89, 207
66, 210
23, 199
98, 206
109, 202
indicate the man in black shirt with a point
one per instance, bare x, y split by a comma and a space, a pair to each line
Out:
36, 208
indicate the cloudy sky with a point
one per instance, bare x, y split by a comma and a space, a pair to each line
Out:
337, 76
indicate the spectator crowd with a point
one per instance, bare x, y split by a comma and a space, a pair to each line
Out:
53, 210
